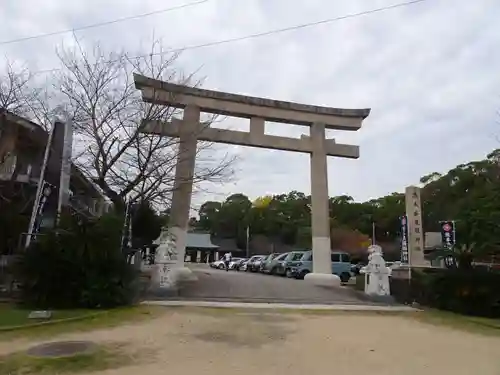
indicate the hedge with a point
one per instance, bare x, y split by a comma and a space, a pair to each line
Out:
470, 292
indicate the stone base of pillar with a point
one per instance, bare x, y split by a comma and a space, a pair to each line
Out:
184, 274
168, 283
323, 279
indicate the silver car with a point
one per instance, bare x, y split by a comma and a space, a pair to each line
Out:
235, 262
220, 264
253, 264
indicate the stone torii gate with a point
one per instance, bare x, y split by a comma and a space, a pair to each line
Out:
258, 110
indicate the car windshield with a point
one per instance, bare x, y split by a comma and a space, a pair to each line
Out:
281, 257
307, 256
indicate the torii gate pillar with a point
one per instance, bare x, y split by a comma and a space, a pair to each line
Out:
320, 215
183, 183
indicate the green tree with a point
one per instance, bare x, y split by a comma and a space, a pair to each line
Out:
468, 194
208, 214
146, 224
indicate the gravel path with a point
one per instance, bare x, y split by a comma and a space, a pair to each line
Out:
218, 285
226, 342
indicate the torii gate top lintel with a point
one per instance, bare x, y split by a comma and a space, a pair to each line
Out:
236, 105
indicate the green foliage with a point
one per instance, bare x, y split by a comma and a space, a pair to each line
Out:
469, 292
15, 211
468, 194
12, 225
80, 266
146, 224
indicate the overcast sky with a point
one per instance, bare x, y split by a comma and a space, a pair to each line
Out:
429, 71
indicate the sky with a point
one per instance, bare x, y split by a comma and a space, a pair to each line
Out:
430, 72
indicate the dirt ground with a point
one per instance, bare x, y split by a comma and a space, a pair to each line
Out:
215, 342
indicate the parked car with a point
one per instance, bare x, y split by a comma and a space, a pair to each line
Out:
341, 266
235, 263
271, 266
355, 268
253, 264
220, 264
284, 266
267, 260
243, 265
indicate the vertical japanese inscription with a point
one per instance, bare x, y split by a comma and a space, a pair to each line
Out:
415, 229
404, 239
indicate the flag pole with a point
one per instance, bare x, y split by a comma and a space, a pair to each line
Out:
373, 233
39, 188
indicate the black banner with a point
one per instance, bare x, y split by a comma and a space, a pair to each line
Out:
46, 193
448, 234
127, 229
404, 239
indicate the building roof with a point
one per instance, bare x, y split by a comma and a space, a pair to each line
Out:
199, 241
226, 244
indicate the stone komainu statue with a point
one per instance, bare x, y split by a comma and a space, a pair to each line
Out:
378, 273
167, 249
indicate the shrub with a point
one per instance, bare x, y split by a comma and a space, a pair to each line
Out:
12, 224
470, 292
80, 266
465, 291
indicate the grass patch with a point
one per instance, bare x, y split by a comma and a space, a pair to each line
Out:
101, 359
484, 326
83, 320
11, 316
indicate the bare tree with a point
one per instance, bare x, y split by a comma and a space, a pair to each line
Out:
15, 94
108, 113
19, 98
21, 95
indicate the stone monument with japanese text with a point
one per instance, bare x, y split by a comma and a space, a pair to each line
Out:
414, 228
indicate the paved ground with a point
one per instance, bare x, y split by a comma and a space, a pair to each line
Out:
215, 342
218, 285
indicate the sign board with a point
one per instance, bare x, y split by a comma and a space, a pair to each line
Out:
40, 314
47, 190
404, 240
448, 234
415, 227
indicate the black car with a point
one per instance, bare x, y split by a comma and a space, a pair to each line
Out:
355, 268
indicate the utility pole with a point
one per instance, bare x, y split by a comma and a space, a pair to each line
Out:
373, 233
248, 241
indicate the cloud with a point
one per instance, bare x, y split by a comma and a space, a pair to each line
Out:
428, 71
